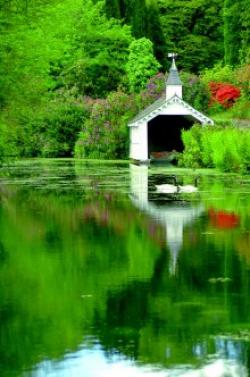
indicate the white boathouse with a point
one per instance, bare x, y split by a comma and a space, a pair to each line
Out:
158, 127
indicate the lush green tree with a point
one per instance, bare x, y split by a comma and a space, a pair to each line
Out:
194, 29
141, 64
144, 18
54, 133
100, 53
84, 54
31, 46
219, 73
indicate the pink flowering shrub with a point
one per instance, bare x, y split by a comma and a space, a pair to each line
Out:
105, 133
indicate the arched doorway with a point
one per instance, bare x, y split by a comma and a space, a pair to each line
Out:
164, 133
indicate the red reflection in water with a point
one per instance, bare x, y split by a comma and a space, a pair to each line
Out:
222, 219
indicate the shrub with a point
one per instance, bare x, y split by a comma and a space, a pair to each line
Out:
219, 73
206, 147
195, 92
105, 133
227, 95
227, 149
53, 132
155, 88
192, 155
61, 130
241, 110
8, 143
223, 93
229, 88
243, 78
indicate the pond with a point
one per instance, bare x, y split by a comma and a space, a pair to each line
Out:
101, 276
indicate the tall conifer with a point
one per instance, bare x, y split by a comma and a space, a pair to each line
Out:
155, 33
138, 18
112, 8
245, 30
232, 31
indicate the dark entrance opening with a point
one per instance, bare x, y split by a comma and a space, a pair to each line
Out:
164, 133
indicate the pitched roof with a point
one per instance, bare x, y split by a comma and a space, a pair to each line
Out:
154, 106
173, 77
151, 111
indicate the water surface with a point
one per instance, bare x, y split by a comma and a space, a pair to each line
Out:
100, 276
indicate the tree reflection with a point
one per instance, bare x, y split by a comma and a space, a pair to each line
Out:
152, 280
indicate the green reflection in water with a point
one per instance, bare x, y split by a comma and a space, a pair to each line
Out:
80, 264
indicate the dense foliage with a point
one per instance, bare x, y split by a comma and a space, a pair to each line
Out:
144, 18
236, 31
62, 62
195, 30
195, 92
226, 148
141, 64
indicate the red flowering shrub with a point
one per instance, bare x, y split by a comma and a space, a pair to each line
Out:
223, 93
227, 95
214, 87
223, 219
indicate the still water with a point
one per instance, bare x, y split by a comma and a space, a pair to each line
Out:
100, 276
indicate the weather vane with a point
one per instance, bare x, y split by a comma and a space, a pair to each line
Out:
172, 55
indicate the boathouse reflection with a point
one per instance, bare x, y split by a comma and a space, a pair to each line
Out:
173, 214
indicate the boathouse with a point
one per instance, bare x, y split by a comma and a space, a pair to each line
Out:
157, 129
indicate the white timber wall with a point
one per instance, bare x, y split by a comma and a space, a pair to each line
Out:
139, 142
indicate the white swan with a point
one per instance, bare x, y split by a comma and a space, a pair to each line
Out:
188, 189
172, 189
166, 189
